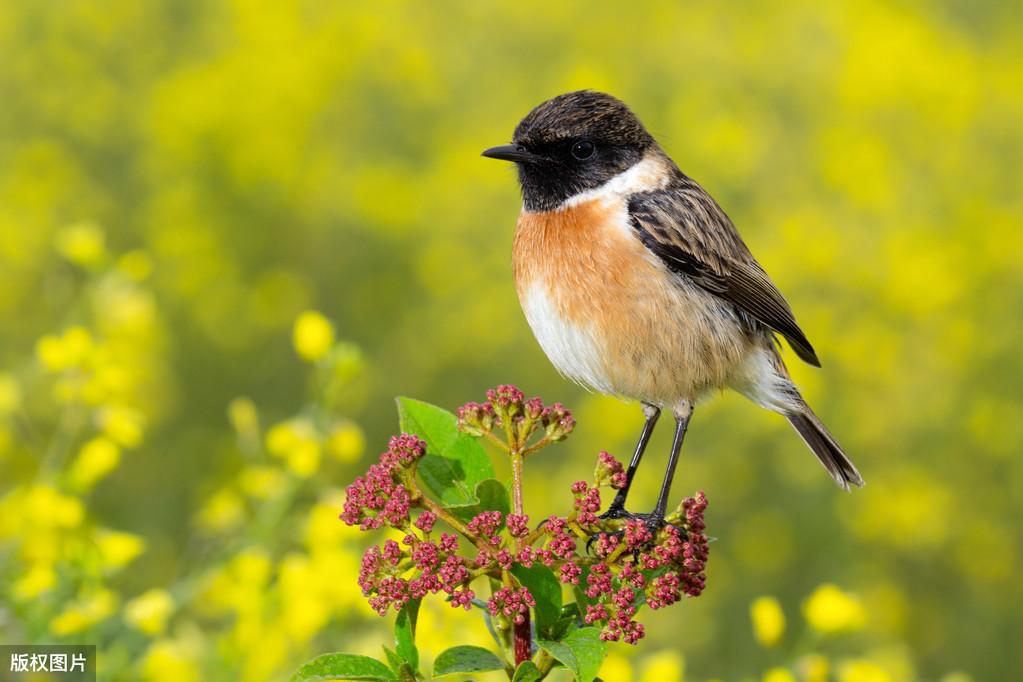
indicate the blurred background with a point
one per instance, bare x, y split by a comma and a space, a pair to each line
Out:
232, 232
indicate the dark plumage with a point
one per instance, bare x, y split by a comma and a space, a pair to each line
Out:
685, 227
551, 130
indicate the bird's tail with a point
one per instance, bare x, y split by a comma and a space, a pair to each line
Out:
783, 396
824, 445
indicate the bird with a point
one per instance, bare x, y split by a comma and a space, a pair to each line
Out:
636, 283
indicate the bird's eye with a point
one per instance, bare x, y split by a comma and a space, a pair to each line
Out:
583, 149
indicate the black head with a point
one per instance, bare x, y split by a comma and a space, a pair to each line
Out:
572, 143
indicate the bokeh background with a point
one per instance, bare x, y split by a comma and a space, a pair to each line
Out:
231, 232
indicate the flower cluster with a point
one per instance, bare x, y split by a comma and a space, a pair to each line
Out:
511, 602
382, 495
609, 471
630, 562
617, 565
435, 566
508, 409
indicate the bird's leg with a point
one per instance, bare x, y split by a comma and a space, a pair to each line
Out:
655, 519
617, 508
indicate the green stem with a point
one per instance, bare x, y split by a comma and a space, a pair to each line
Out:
545, 663
522, 635
516, 465
542, 443
450, 520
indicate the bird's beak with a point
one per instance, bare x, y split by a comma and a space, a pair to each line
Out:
512, 152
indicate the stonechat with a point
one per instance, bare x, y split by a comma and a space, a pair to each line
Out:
636, 283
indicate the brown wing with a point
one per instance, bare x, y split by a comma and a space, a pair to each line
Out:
686, 228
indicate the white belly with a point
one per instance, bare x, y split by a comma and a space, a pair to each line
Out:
574, 350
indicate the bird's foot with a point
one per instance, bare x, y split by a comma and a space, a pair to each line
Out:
619, 529
616, 512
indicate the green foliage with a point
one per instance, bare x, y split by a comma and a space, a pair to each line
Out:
581, 651
491, 495
343, 667
405, 633
466, 659
455, 463
527, 672
546, 590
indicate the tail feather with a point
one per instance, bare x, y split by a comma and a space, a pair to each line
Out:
824, 445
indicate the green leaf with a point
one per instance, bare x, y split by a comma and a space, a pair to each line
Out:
393, 659
466, 659
341, 666
527, 672
405, 633
581, 651
546, 590
491, 495
454, 463
482, 606
568, 618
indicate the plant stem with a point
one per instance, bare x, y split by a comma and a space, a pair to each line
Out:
545, 663
449, 519
538, 445
523, 640
516, 465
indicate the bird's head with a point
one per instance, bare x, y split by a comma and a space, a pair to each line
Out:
573, 143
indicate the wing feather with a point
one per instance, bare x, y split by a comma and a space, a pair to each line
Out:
686, 228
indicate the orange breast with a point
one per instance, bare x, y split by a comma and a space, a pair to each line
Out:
581, 253
647, 334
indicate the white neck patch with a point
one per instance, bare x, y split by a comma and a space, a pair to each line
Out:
648, 174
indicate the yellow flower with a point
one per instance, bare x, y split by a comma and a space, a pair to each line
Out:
346, 442
149, 611
617, 668
768, 620
859, 670
97, 458
664, 666
45, 507
261, 481
168, 659
83, 613
830, 610
123, 424
137, 265
82, 243
304, 461
223, 511
38, 579
305, 610
814, 668
57, 353
251, 567
10, 395
778, 675
297, 442
244, 416
117, 549
322, 529
313, 335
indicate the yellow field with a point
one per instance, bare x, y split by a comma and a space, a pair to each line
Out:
232, 231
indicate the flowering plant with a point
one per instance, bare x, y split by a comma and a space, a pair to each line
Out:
462, 530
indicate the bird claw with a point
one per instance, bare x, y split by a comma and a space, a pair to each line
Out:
652, 520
